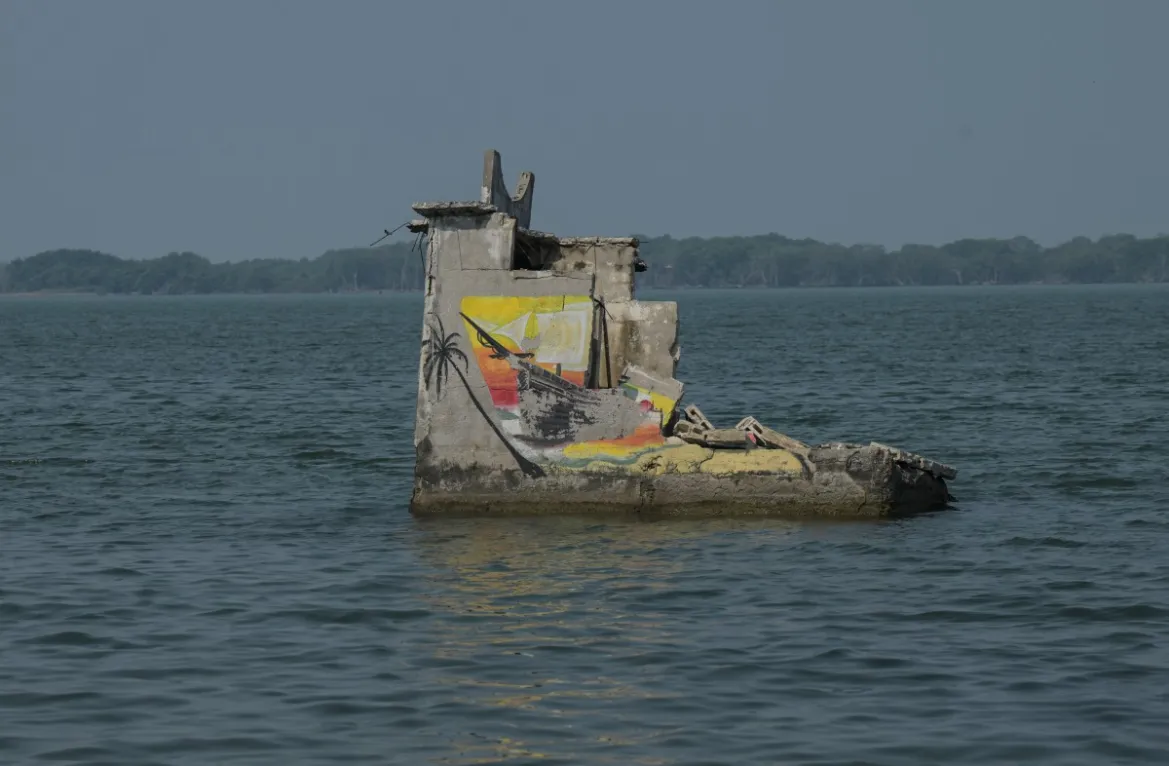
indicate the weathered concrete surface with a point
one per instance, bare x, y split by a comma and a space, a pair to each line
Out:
840, 481
494, 190
646, 335
769, 437
545, 386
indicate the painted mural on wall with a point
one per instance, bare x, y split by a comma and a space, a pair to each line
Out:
441, 355
533, 354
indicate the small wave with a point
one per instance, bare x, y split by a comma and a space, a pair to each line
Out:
213, 744
1112, 613
225, 611
1027, 685
67, 462
341, 708
330, 615
1045, 542
957, 615
35, 699
830, 654
66, 638
884, 663
1065, 585
121, 572
10, 610
1076, 481
380, 461
85, 754
78, 639
322, 454
1147, 523
160, 674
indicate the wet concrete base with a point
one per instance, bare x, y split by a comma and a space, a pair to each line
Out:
833, 481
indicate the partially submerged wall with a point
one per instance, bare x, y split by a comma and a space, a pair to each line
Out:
537, 359
545, 385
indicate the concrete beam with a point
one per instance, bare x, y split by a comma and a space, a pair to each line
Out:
494, 190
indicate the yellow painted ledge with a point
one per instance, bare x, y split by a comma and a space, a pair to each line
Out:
754, 461
691, 458
686, 458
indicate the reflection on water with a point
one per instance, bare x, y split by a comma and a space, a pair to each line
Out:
568, 599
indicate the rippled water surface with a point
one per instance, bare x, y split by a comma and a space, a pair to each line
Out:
206, 557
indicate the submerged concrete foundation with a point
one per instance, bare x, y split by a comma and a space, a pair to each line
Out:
545, 386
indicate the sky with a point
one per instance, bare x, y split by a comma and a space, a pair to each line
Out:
284, 128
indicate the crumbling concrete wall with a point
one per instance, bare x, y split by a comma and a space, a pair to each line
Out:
544, 384
469, 254
645, 334
639, 333
494, 191
526, 341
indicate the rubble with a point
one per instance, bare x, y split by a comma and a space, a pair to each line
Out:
766, 437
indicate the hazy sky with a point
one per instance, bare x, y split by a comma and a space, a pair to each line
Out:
249, 128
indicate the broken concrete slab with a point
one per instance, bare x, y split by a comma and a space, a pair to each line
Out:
932, 467
770, 438
665, 386
727, 438
689, 432
715, 438
646, 334
695, 416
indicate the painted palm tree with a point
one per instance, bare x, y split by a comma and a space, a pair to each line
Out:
442, 354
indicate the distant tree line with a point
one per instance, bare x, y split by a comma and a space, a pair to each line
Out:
759, 261
393, 267
775, 261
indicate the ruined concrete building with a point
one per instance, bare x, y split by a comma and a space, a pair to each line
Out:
545, 386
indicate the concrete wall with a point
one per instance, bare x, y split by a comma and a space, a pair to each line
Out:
525, 342
545, 385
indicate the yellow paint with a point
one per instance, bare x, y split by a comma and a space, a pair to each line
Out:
692, 458
659, 402
596, 466
754, 461
585, 450
615, 448
557, 329
685, 458
501, 309
663, 404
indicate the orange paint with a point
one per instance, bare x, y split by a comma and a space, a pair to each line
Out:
646, 435
502, 379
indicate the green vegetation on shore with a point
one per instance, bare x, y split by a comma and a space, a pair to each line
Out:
759, 261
